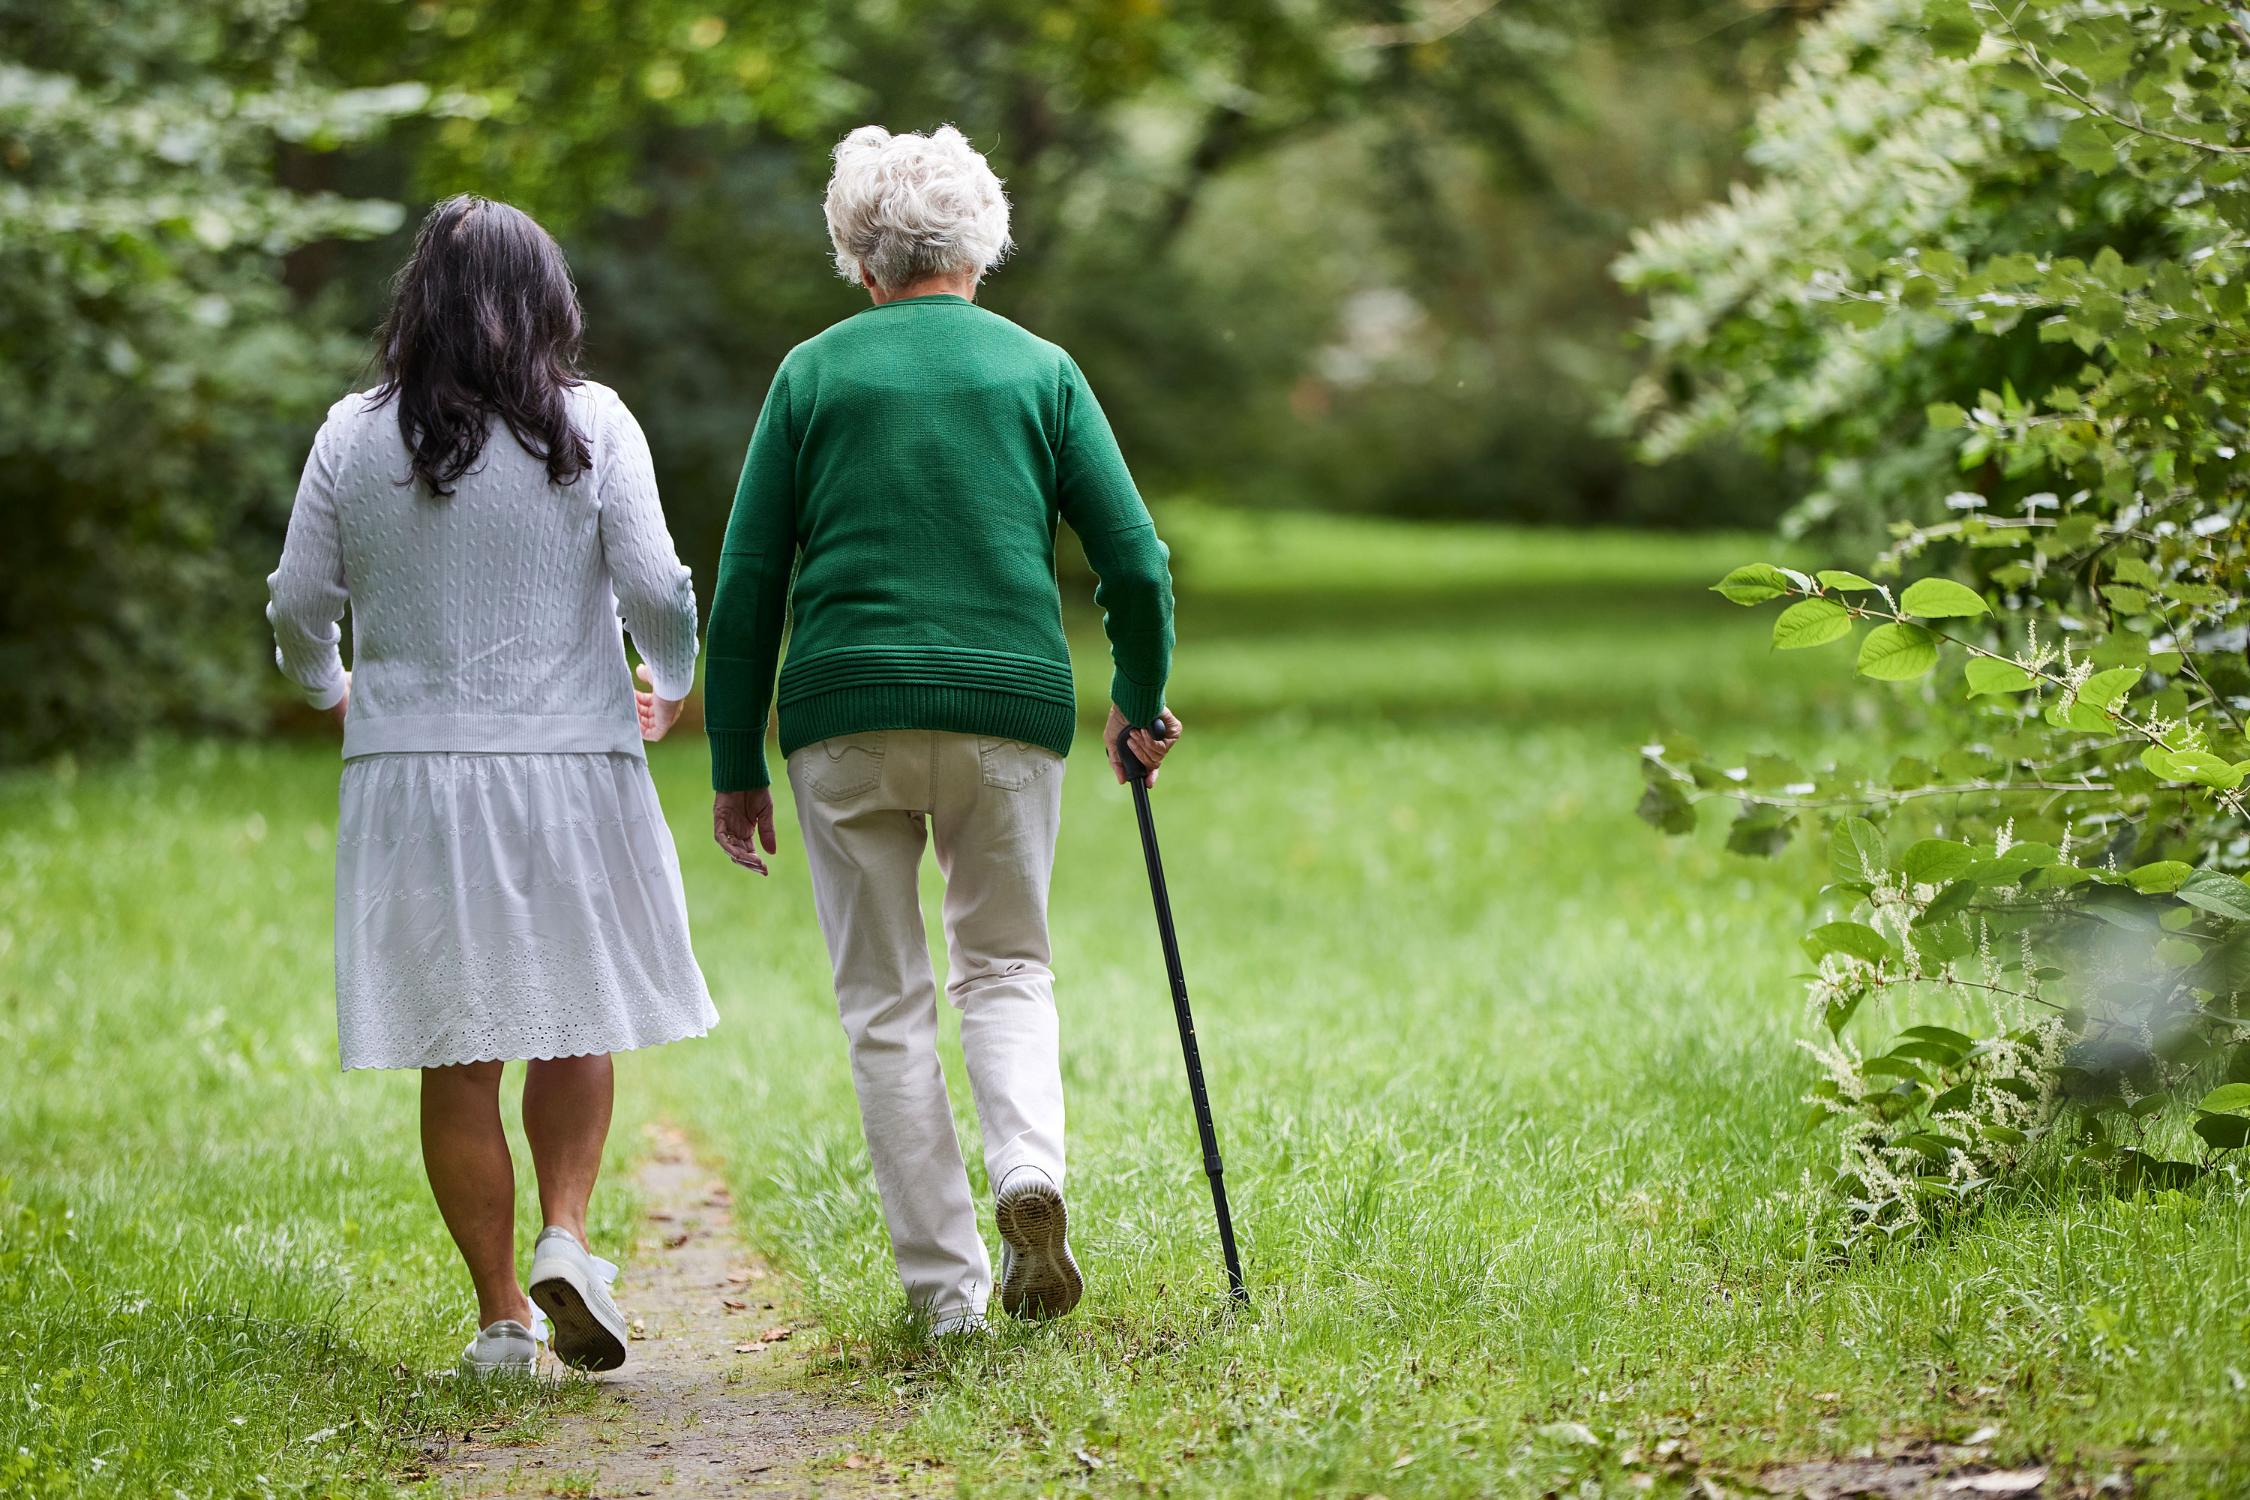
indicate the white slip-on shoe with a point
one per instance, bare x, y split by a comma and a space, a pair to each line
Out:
572, 1288
502, 1348
1038, 1276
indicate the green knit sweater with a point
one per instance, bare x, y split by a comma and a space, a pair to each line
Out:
897, 516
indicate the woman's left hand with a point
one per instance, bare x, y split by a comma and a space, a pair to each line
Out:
658, 715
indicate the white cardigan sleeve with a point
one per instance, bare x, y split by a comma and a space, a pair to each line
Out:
308, 590
655, 592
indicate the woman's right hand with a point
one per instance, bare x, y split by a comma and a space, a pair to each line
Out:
342, 705
657, 715
740, 821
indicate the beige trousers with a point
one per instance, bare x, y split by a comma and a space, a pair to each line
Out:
867, 804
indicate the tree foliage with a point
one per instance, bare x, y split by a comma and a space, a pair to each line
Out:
1332, 254
153, 380
2055, 899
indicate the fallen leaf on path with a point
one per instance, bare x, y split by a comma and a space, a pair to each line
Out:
637, 1329
1998, 1482
1088, 1459
733, 1304
674, 1241
740, 1274
748, 1348
662, 1215
775, 1335
855, 1461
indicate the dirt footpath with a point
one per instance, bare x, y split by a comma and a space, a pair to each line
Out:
714, 1398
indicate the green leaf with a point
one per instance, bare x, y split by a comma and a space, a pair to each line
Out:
1856, 312
1935, 861
1945, 1034
2125, 599
1761, 831
1987, 675
2223, 1132
1837, 578
2227, 1099
2086, 146
1894, 653
1753, 584
1857, 853
1950, 28
1944, 414
1811, 622
2198, 766
1665, 806
2161, 877
1942, 599
2069, 713
2222, 895
1954, 899
2103, 689
2012, 867
1855, 938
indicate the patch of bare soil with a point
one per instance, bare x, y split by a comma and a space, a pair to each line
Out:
714, 1399
1927, 1471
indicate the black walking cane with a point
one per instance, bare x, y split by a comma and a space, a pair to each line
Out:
1137, 774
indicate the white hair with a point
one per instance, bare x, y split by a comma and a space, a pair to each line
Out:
902, 208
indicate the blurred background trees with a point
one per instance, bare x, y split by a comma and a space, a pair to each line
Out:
1339, 255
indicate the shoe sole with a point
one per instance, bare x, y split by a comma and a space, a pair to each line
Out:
1043, 1280
580, 1338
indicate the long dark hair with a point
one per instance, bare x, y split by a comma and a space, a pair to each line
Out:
483, 320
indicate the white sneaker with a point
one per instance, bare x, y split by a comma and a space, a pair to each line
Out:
1038, 1276
572, 1288
502, 1348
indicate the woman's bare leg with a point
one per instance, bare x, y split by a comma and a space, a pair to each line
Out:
566, 1108
465, 1152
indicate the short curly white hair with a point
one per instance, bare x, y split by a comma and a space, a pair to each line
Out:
902, 208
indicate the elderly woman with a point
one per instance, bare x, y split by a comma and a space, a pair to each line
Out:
898, 511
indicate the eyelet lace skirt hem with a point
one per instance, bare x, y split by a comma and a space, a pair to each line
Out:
496, 907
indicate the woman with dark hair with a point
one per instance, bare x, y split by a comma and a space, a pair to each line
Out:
505, 883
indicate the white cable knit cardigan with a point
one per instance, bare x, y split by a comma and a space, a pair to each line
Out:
486, 620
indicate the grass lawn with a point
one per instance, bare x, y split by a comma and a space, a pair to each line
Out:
1506, 1082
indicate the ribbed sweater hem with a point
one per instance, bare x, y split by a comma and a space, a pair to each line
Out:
921, 705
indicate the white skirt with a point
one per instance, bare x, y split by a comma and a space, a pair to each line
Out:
493, 907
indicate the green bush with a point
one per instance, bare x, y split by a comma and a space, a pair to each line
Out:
2052, 894
157, 382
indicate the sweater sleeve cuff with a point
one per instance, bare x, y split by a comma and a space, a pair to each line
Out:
738, 761
668, 681
329, 694
1140, 704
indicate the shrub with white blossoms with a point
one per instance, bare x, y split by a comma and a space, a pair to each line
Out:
2051, 913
